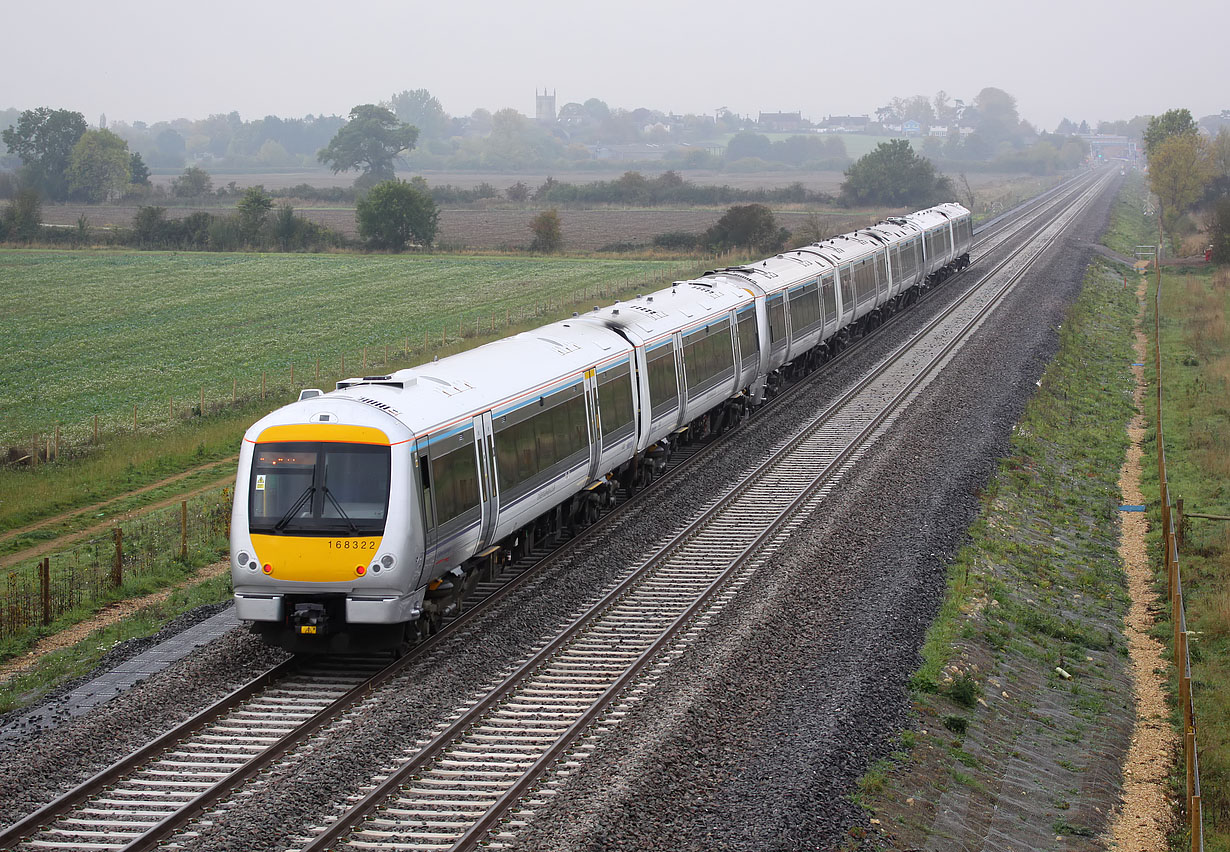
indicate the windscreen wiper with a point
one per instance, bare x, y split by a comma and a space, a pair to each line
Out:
342, 512
293, 510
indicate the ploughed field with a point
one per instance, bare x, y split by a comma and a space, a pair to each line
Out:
86, 333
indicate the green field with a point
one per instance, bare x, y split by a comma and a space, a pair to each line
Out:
94, 333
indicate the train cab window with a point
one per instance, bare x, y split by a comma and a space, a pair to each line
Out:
749, 343
829, 296
776, 309
663, 383
615, 402
454, 477
319, 488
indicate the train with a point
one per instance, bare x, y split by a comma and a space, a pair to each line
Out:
364, 515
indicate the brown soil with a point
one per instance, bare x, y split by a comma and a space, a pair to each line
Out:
1145, 816
103, 618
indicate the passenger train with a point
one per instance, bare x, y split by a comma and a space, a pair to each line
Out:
362, 516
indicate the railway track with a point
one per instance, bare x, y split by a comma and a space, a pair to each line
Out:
453, 792
157, 791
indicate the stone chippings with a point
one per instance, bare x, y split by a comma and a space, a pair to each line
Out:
782, 703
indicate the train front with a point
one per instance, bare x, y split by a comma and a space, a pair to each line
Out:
326, 542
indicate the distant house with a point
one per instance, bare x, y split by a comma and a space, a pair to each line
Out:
845, 124
911, 128
937, 130
782, 122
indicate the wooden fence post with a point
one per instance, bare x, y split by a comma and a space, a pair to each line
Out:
262, 384
317, 368
117, 568
202, 400
95, 428
183, 530
134, 417
1178, 531
45, 584
364, 359
34, 450
234, 391
57, 448
171, 409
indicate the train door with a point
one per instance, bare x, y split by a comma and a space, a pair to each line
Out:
593, 422
484, 438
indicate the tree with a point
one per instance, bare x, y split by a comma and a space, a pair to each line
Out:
518, 192
997, 119
138, 172
548, 232
253, 208
100, 166
893, 174
393, 212
23, 215
1173, 122
750, 226
743, 145
44, 138
195, 182
420, 109
370, 141
1219, 230
1179, 168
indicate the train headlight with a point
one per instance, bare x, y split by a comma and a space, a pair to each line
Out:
387, 560
243, 558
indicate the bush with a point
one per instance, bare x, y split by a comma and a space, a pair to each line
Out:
749, 226
1219, 230
393, 213
679, 240
548, 232
22, 216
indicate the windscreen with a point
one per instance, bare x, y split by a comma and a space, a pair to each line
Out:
319, 489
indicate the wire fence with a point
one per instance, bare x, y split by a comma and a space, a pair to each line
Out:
144, 553
1178, 617
57, 440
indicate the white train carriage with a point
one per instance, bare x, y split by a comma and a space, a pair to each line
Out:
362, 515
693, 354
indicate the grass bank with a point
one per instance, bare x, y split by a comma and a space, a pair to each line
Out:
1022, 702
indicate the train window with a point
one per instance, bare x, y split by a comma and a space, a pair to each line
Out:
830, 297
805, 308
865, 280
707, 355
535, 437
777, 320
615, 401
663, 383
454, 477
749, 343
847, 292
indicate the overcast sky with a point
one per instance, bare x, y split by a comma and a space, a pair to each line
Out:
151, 61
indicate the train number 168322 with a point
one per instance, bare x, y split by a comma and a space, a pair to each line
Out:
351, 544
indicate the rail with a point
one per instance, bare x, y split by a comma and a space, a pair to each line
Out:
1174, 587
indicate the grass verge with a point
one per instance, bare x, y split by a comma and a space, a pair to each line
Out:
1003, 742
54, 669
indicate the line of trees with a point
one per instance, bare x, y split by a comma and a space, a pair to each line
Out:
1190, 173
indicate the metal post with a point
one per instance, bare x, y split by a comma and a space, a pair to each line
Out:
183, 530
